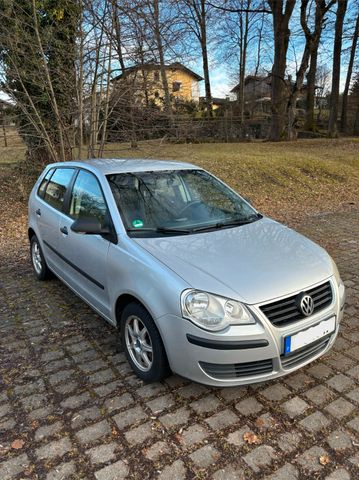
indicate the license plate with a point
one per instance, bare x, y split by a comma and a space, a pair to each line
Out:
305, 337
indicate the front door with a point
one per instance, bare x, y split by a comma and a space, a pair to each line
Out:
84, 257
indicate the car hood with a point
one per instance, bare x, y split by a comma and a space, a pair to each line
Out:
252, 263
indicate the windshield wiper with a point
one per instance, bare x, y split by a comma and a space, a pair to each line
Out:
230, 223
160, 230
172, 230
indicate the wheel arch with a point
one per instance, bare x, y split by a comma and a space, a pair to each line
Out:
30, 233
125, 299
121, 303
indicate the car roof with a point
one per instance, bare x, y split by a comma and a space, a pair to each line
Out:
121, 165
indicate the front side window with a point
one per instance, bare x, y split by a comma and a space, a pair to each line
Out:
87, 199
177, 201
57, 186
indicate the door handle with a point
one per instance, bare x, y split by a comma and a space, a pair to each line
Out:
38, 212
64, 230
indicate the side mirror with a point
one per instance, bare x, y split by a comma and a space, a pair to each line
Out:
90, 226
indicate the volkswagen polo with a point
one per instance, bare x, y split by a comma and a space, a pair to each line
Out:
195, 278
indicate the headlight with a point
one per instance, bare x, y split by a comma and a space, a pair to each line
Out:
340, 283
213, 312
336, 273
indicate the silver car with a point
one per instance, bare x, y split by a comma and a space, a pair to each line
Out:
196, 280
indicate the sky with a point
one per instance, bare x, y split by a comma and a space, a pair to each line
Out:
222, 80
4, 96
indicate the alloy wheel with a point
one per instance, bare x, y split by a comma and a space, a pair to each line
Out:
36, 258
138, 342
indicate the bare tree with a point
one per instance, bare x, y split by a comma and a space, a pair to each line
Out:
310, 50
260, 32
344, 117
355, 94
313, 39
334, 96
281, 12
238, 31
195, 15
37, 57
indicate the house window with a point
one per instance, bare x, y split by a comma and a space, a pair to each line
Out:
156, 76
176, 86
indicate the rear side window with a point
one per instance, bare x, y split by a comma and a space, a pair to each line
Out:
57, 185
87, 199
42, 187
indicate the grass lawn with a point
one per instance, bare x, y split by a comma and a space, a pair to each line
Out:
287, 180
15, 151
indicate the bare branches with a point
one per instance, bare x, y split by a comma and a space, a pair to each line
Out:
239, 10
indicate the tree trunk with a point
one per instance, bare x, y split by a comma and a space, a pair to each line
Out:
309, 116
356, 122
158, 39
198, 25
344, 118
51, 93
243, 58
278, 83
310, 49
260, 36
107, 100
294, 91
207, 83
118, 35
80, 91
312, 40
4, 131
334, 97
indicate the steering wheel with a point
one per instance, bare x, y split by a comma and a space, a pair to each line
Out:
189, 206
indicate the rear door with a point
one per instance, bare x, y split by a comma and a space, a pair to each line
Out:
48, 207
84, 265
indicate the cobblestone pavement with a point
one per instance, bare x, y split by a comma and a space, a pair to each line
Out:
71, 408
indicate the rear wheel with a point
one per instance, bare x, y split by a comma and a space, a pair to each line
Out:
143, 344
41, 270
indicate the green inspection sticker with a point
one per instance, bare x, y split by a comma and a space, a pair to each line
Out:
137, 223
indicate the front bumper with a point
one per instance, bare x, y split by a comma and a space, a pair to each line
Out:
243, 354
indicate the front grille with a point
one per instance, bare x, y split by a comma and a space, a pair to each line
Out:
303, 354
227, 371
286, 311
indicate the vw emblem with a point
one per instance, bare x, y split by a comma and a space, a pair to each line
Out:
307, 305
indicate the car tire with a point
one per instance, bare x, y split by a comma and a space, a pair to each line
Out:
143, 346
39, 265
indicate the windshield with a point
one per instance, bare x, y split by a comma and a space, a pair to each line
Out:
177, 202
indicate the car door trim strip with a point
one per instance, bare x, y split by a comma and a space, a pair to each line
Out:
75, 267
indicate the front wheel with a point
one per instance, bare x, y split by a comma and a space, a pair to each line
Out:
143, 344
42, 271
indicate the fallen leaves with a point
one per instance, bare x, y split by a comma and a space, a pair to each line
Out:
17, 444
251, 438
324, 459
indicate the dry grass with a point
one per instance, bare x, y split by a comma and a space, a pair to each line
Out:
15, 151
288, 180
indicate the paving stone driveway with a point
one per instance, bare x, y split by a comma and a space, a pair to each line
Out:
71, 408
